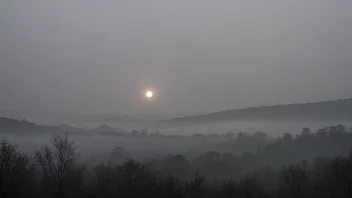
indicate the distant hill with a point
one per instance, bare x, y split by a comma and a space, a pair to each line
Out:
13, 126
24, 127
320, 111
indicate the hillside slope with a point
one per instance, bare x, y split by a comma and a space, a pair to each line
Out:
13, 126
329, 110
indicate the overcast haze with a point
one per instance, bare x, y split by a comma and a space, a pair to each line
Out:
88, 56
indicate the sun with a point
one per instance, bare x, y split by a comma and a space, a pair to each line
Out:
149, 94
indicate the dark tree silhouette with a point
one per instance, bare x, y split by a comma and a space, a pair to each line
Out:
57, 163
15, 172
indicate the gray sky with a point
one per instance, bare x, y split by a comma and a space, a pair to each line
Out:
90, 56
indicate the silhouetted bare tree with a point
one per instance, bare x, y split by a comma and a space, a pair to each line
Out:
295, 178
15, 172
196, 188
56, 162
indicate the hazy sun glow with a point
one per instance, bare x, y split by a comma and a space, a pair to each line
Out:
149, 94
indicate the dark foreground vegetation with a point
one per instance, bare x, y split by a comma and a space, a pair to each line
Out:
287, 167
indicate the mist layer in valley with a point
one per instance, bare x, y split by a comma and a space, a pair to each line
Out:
149, 140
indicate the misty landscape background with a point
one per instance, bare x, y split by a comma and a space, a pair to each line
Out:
248, 99
191, 135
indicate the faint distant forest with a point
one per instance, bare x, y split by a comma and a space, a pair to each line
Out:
310, 164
